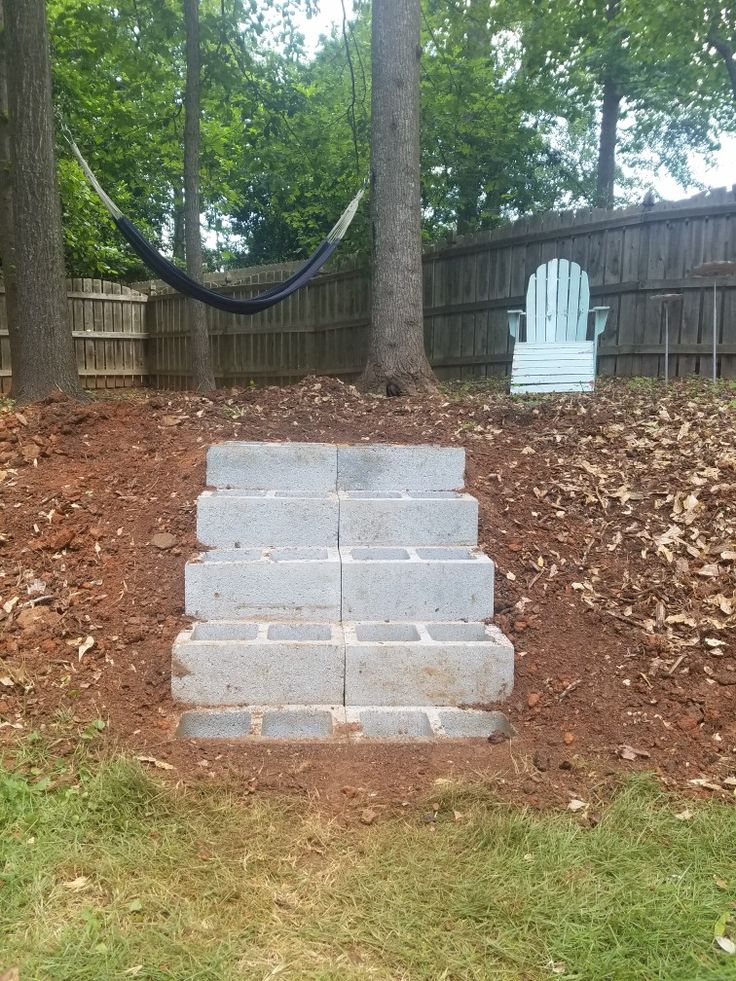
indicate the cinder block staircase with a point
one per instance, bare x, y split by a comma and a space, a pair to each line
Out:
342, 597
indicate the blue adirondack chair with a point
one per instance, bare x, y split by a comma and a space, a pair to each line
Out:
555, 354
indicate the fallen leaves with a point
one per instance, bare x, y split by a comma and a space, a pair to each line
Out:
159, 764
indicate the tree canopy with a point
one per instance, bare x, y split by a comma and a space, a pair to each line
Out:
512, 92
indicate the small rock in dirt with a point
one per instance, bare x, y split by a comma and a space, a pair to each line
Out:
163, 540
498, 737
367, 816
541, 762
687, 723
534, 699
566, 765
569, 738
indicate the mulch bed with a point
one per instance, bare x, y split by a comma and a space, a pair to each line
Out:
611, 517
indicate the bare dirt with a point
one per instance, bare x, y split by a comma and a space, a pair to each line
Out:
611, 517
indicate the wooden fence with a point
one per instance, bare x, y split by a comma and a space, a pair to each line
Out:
109, 327
630, 256
125, 337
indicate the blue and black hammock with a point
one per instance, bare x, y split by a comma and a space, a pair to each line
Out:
178, 280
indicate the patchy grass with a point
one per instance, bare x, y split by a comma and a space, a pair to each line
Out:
106, 873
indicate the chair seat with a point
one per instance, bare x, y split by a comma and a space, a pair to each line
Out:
562, 366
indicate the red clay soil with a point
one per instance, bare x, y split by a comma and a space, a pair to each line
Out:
611, 519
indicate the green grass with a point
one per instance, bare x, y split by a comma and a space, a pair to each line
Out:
105, 873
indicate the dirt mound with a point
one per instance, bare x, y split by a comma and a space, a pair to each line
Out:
612, 519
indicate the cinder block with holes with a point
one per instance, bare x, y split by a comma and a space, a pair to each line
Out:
242, 663
276, 584
399, 518
434, 583
426, 664
233, 519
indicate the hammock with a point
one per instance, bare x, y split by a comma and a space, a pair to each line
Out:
178, 280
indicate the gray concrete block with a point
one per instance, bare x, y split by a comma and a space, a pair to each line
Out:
426, 664
399, 518
296, 723
433, 583
458, 723
273, 466
408, 723
232, 519
214, 725
383, 467
267, 584
264, 663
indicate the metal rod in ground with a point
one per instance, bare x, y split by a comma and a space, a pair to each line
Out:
666, 344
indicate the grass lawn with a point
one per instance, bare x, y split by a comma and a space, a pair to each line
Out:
105, 872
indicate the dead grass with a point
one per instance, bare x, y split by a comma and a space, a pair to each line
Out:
106, 873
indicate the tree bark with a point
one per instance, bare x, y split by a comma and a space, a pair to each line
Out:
41, 347
726, 52
177, 247
7, 250
396, 355
202, 373
607, 145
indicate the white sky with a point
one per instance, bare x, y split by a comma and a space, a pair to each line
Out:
720, 171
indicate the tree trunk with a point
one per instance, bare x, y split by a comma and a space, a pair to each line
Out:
202, 373
177, 248
41, 348
7, 251
607, 145
726, 52
396, 355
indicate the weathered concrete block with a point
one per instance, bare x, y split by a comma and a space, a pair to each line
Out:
407, 723
214, 725
220, 663
400, 518
426, 664
268, 584
435, 583
232, 519
273, 466
296, 723
458, 723
383, 467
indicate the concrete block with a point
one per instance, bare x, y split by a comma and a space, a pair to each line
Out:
400, 518
382, 467
273, 466
220, 663
214, 725
267, 584
232, 519
426, 664
296, 723
408, 723
458, 723
434, 583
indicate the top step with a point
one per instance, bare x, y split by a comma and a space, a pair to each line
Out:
382, 467
273, 466
321, 467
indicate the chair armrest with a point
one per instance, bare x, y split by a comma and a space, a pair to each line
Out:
600, 315
514, 322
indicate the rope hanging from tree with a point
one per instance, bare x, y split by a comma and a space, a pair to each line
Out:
178, 280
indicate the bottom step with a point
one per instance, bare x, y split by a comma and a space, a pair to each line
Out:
340, 723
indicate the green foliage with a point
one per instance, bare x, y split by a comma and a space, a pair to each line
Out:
511, 93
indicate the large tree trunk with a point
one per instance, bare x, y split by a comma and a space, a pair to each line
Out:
202, 373
7, 251
41, 348
607, 145
396, 354
177, 247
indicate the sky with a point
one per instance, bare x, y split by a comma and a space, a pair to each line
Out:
720, 171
